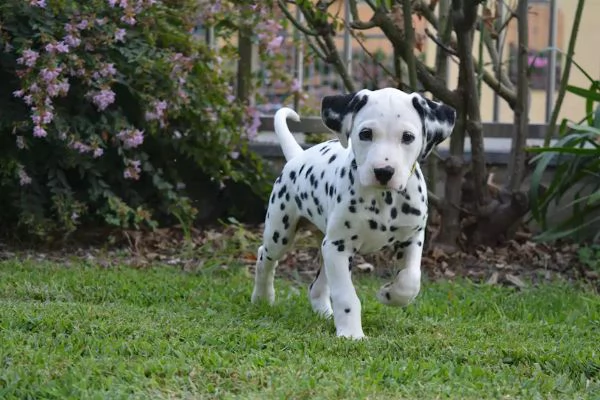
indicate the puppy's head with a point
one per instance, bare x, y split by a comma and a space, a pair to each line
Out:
390, 131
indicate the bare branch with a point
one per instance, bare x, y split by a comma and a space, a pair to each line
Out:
294, 21
362, 25
424, 74
516, 165
409, 39
437, 41
371, 55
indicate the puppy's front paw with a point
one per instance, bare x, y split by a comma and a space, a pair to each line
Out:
402, 291
322, 306
267, 296
358, 335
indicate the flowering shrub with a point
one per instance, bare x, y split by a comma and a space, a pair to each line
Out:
109, 110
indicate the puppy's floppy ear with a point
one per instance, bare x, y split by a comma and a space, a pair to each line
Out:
337, 112
438, 122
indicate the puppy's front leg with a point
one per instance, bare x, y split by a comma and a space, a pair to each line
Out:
407, 284
346, 305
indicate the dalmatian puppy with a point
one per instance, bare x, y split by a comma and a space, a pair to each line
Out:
364, 191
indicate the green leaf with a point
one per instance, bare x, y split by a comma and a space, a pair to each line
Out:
586, 93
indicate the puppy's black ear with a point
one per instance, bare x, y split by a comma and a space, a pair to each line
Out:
337, 112
438, 122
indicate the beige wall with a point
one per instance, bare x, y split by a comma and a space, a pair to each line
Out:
587, 54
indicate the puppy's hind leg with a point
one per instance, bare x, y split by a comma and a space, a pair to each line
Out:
280, 229
319, 295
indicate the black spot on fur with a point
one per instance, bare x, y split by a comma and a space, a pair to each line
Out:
331, 191
399, 255
332, 158
275, 236
286, 221
387, 295
383, 228
282, 191
352, 209
407, 209
372, 224
339, 198
343, 172
284, 241
393, 228
347, 310
404, 244
301, 169
308, 171
347, 224
298, 202
282, 206
388, 197
419, 189
419, 243
394, 212
322, 174
353, 164
293, 176
354, 237
309, 211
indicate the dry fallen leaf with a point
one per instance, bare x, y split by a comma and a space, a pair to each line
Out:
515, 280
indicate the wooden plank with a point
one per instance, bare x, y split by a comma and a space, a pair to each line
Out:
310, 125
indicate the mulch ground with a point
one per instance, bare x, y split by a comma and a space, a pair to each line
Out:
520, 262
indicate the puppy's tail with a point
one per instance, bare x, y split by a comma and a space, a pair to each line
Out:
288, 143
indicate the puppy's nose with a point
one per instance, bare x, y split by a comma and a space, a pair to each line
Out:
383, 175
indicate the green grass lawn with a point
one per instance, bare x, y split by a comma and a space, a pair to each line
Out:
86, 332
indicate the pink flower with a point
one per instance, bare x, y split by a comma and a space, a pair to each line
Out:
49, 74
112, 2
80, 147
274, 44
28, 58
38, 131
20, 142
158, 112
131, 138
128, 19
103, 99
24, 179
132, 169
59, 47
38, 3
72, 41
98, 151
252, 128
18, 93
120, 35
83, 24
296, 87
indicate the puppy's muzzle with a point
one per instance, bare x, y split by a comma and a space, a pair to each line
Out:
383, 175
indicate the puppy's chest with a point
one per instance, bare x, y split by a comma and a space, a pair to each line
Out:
387, 218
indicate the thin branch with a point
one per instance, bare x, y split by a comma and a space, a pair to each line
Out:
516, 166
364, 48
567, 71
362, 25
437, 41
409, 39
428, 79
294, 21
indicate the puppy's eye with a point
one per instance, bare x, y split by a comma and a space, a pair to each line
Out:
407, 138
366, 134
